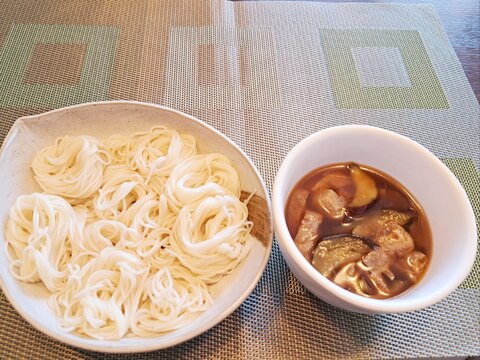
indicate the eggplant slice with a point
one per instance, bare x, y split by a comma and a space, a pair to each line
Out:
369, 226
334, 252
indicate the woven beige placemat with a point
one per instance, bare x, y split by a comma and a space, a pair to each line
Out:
266, 74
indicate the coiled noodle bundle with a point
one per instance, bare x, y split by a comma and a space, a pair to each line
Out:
199, 177
72, 167
170, 299
39, 233
98, 299
211, 238
121, 190
158, 151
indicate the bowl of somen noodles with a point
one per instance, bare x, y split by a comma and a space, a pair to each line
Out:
128, 226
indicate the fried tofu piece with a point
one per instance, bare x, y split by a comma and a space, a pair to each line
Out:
307, 235
328, 202
297, 204
394, 240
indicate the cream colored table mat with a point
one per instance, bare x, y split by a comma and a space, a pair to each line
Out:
266, 74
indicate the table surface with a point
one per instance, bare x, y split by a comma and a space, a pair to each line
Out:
266, 74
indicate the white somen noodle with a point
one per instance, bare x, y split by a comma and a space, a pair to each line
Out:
129, 234
72, 167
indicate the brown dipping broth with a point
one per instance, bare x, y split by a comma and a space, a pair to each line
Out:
391, 195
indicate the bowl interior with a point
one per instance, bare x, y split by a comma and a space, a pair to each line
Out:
437, 190
30, 134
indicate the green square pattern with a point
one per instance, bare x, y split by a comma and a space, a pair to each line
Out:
96, 73
425, 93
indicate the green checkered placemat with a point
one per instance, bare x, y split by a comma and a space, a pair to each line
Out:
266, 74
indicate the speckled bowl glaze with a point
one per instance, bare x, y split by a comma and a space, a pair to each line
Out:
30, 134
443, 199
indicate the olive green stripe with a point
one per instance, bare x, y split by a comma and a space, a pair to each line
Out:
466, 172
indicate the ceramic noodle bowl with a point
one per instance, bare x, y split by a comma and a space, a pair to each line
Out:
31, 134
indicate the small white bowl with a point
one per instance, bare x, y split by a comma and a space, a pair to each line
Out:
30, 134
443, 199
